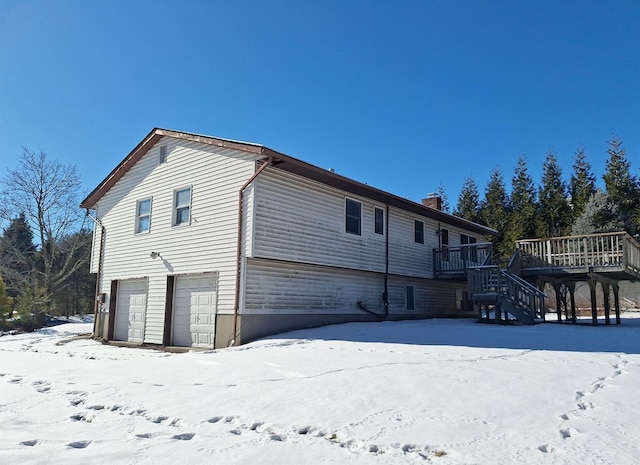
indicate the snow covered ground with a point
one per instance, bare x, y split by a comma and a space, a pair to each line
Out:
434, 391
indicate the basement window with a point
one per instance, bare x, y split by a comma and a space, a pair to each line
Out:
353, 216
411, 298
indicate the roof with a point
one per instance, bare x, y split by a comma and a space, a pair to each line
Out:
283, 162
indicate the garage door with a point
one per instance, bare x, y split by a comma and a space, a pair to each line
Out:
130, 310
194, 311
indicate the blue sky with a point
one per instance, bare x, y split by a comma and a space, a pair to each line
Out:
402, 95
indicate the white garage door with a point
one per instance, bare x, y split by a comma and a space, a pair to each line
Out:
130, 310
194, 311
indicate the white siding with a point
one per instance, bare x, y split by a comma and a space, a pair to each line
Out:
278, 287
300, 220
208, 244
275, 287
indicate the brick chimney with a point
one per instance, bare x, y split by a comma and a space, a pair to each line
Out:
433, 201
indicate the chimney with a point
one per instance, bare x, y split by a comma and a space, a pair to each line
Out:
433, 201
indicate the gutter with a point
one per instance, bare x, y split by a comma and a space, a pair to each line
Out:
236, 306
99, 273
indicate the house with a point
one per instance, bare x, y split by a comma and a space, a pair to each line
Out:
207, 242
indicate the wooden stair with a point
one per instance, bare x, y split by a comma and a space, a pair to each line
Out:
502, 296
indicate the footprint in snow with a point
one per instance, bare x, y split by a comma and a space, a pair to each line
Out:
30, 442
567, 433
546, 448
184, 436
79, 444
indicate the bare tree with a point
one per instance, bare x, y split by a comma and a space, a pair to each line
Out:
45, 191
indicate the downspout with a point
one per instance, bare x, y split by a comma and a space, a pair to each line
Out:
385, 292
236, 306
99, 273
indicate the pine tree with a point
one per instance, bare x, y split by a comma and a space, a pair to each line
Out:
600, 215
555, 212
468, 201
621, 187
6, 303
582, 184
17, 256
523, 221
442, 193
495, 213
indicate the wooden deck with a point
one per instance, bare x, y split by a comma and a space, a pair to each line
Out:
454, 262
612, 255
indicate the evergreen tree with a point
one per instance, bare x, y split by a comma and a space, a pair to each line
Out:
555, 212
523, 221
441, 192
17, 256
469, 201
621, 187
495, 213
601, 214
582, 184
6, 304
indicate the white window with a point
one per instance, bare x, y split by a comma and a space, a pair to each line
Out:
353, 217
418, 231
378, 219
182, 207
143, 215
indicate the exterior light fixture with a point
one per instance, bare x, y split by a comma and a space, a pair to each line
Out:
154, 255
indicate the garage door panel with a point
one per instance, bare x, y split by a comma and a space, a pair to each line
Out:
194, 310
131, 307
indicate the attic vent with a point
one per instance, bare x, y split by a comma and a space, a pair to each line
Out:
163, 154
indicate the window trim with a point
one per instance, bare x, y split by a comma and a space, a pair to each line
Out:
416, 221
137, 229
347, 217
375, 221
174, 215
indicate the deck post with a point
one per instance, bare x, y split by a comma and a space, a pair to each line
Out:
606, 293
572, 297
594, 304
616, 301
556, 288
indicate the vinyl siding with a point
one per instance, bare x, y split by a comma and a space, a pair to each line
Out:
276, 287
300, 220
207, 244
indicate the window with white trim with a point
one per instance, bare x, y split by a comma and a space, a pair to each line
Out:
182, 207
143, 215
418, 231
353, 216
378, 220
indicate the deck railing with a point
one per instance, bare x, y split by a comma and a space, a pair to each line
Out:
617, 249
458, 259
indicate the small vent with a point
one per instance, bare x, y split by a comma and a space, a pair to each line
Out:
163, 154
